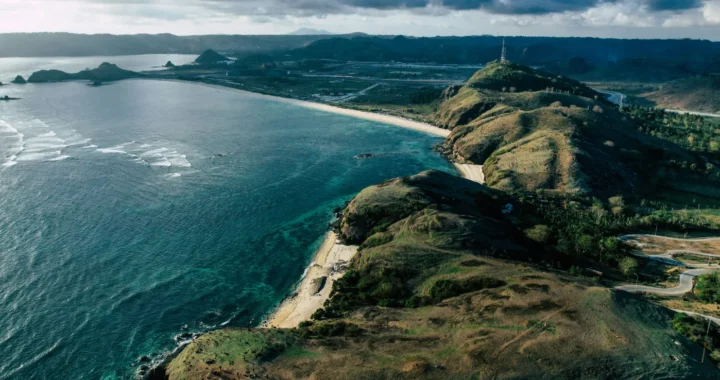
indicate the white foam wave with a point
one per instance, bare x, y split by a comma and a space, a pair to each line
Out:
90, 146
38, 156
79, 142
5, 127
163, 162
47, 134
115, 149
155, 152
179, 160
173, 175
43, 147
59, 158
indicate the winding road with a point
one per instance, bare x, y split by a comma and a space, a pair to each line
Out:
618, 98
686, 284
686, 278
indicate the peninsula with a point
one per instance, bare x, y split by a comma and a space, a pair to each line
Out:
453, 278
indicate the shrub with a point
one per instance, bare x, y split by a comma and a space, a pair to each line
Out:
628, 266
540, 233
443, 289
708, 287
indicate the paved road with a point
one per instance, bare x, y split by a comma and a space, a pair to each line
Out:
374, 79
668, 258
686, 279
716, 320
706, 114
618, 98
632, 236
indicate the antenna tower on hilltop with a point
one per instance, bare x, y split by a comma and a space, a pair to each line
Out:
503, 56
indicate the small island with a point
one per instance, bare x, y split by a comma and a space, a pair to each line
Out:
106, 72
7, 98
169, 65
19, 80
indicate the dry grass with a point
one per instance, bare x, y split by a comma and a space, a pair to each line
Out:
650, 245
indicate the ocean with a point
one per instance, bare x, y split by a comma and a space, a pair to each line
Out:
131, 210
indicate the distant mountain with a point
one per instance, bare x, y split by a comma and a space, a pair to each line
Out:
696, 93
310, 32
83, 45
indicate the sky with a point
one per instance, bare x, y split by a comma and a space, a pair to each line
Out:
598, 18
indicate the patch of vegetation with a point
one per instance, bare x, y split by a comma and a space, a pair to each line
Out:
700, 331
707, 288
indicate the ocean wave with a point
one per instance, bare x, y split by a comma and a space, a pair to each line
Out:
155, 152
59, 158
163, 162
32, 361
177, 159
39, 156
115, 149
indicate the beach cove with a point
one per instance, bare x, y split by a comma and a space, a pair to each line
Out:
163, 209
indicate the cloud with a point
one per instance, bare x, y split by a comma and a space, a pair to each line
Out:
502, 7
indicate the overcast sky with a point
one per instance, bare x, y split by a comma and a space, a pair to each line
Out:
601, 18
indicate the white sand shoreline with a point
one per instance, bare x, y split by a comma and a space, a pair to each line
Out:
380, 118
330, 262
472, 172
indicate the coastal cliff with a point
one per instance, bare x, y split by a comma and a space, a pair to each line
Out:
448, 285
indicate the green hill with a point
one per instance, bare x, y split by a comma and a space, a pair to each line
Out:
210, 57
432, 295
536, 132
698, 93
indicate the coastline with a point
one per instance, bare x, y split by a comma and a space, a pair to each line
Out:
328, 264
330, 261
380, 118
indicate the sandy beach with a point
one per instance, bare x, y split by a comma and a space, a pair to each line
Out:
471, 172
380, 118
329, 264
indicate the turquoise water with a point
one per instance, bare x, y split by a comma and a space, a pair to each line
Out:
130, 210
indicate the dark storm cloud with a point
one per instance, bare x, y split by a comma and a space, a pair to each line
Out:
320, 7
508, 7
281, 8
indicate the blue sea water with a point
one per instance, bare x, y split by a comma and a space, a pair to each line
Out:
130, 210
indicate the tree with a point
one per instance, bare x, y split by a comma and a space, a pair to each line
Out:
628, 266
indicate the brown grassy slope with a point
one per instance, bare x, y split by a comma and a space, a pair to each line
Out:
545, 140
700, 93
478, 316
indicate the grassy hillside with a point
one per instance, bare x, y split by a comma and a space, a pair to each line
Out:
697, 93
447, 286
533, 131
